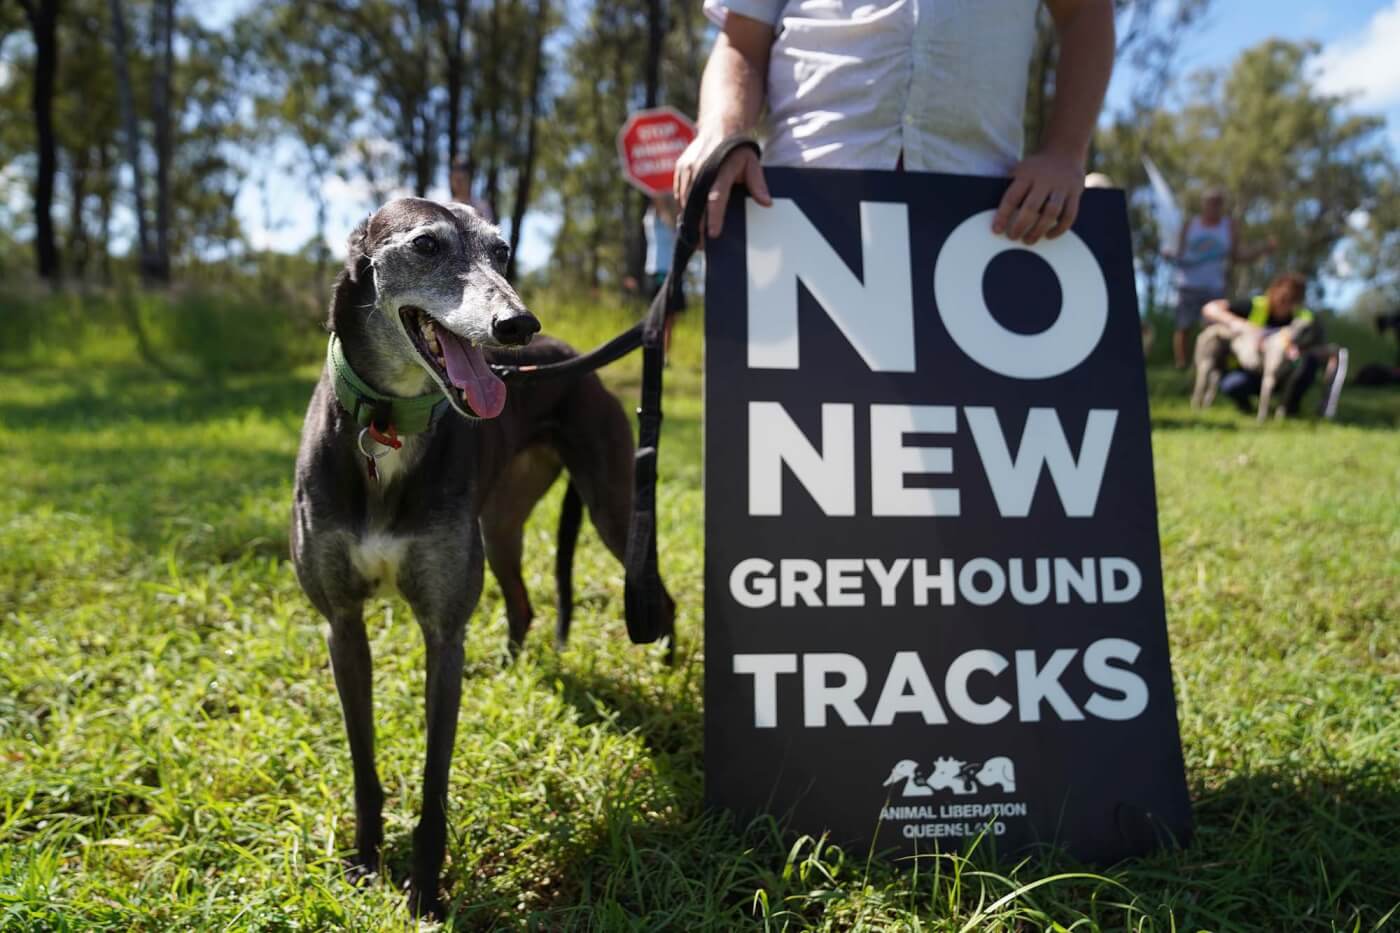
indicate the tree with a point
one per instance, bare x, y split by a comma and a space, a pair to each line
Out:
1298, 164
1149, 36
43, 25
303, 89
86, 125
163, 42
527, 168
392, 47
605, 80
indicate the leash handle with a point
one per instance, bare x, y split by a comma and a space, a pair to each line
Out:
669, 299
650, 613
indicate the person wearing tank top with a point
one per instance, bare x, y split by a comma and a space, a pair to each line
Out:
1205, 253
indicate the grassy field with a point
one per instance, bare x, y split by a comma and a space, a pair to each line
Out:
173, 755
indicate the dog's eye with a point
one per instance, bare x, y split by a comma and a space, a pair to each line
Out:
500, 253
425, 244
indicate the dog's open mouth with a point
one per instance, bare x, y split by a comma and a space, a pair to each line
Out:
458, 363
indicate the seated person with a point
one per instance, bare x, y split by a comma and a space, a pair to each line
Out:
1279, 306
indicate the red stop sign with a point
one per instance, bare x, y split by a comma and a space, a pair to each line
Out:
649, 144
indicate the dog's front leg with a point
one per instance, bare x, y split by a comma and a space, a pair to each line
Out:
1266, 394
442, 582
1212, 388
444, 697
350, 661
1198, 392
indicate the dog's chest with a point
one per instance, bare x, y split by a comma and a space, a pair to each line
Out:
390, 465
377, 557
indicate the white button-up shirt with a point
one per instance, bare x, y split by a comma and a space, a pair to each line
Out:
856, 84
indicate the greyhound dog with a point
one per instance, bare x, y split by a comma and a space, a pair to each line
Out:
420, 310
1270, 356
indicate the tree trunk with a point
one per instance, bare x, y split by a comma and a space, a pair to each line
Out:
656, 33
104, 214
527, 169
163, 15
491, 194
636, 204
78, 244
422, 143
43, 22
454, 56
132, 132
473, 148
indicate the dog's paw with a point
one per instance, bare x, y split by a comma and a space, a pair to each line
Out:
424, 903
361, 872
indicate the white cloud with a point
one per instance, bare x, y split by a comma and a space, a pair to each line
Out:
1366, 63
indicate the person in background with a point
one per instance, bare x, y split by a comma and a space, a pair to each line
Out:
659, 223
1205, 253
1280, 305
903, 84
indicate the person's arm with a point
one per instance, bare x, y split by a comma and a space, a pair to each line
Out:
1233, 315
1043, 199
732, 93
1181, 241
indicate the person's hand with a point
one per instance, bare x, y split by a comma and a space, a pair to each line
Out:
741, 164
1043, 199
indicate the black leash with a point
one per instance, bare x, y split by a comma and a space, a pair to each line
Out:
644, 598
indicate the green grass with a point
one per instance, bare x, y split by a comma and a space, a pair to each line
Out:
172, 755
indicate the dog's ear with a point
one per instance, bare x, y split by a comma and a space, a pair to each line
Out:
350, 278
357, 255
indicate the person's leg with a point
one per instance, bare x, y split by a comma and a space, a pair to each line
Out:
1188, 315
1241, 387
1299, 383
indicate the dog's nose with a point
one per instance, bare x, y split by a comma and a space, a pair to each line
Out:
516, 328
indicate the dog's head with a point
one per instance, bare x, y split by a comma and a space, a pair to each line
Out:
1305, 332
423, 291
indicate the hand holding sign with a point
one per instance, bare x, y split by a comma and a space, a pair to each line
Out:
742, 165
1043, 200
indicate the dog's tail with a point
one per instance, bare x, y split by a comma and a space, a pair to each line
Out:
570, 520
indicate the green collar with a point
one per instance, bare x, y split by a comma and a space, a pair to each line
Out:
375, 409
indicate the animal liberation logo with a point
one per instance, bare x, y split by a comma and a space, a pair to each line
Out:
961, 778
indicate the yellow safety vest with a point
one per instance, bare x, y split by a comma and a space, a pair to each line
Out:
1259, 312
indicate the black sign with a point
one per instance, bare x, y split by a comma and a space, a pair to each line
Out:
933, 594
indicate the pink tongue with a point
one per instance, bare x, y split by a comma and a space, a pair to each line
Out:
468, 370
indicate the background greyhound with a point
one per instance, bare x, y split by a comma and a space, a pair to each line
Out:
421, 303
1270, 357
